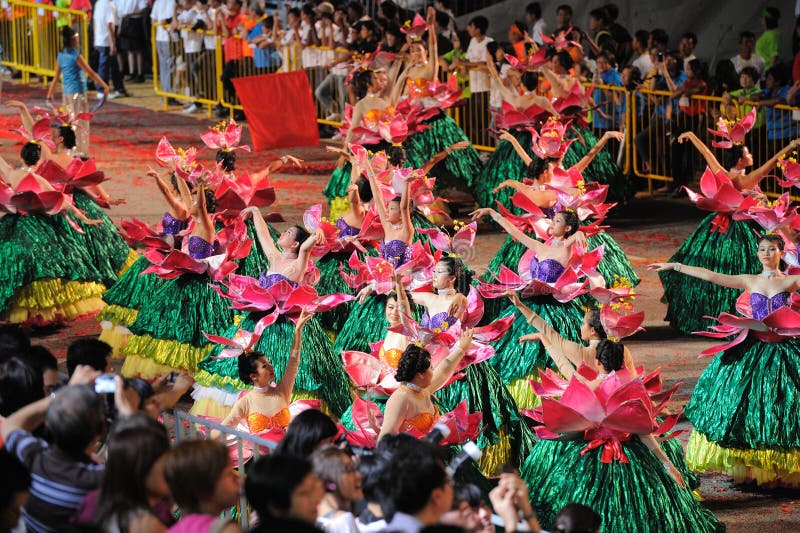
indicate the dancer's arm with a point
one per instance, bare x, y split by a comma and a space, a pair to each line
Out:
512, 230
262, 232
506, 136
652, 444
52, 88
725, 280
177, 207
304, 252
587, 159
751, 180
443, 371
405, 210
442, 155
707, 154
377, 195
273, 166
393, 415
24, 114
433, 45
286, 384
98, 81
204, 228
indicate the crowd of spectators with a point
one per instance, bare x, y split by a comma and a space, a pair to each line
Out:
77, 457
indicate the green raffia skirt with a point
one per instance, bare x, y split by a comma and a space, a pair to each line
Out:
108, 249
168, 330
459, 169
518, 363
602, 169
47, 275
690, 299
746, 414
638, 496
321, 374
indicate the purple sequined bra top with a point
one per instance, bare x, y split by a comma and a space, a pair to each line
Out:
199, 248
345, 229
548, 270
396, 252
171, 225
441, 320
762, 305
268, 279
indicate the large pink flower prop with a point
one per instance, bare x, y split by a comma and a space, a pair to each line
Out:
719, 194
183, 162
224, 137
40, 133
510, 117
560, 42
549, 140
415, 28
30, 196
60, 116
586, 199
567, 287
619, 325
791, 173
235, 193
781, 324
532, 221
369, 373
375, 270
778, 213
242, 341
459, 244
136, 232
532, 61
735, 133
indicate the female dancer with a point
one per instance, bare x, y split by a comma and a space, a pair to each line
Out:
75, 68
744, 406
719, 249
516, 363
320, 373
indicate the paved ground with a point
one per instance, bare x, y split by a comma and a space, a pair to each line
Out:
124, 135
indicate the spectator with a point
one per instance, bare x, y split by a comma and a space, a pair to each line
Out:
20, 385
14, 492
133, 477
104, 22
478, 78
747, 80
355, 12
371, 517
266, 57
445, 7
232, 52
690, 117
393, 39
46, 364
604, 116
284, 492
13, 342
455, 59
443, 44
660, 40
601, 40
768, 44
64, 471
210, 10
746, 57
203, 484
725, 78
511, 501
780, 126
577, 518
564, 23
686, 48
388, 13
342, 482
536, 24
132, 38
330, 34
189, 21
620, 34
469, 511
516, 37
306, 432
642, 61
163, 14
89, 351
419, 490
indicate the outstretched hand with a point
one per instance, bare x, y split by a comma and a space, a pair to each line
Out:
661, 267
513, 296
465, 339
304, 317
482, 212
530, 337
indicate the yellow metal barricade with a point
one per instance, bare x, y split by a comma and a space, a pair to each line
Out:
775, 128
31, 39
610, 111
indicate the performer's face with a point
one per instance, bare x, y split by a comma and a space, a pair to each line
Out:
392, 312
559, 226
442, 277
394, 212
769, 254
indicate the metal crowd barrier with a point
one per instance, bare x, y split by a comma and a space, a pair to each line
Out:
188, 426
30, 36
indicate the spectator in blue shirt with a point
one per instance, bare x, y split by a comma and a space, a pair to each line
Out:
262, 38
781, 127
604, 116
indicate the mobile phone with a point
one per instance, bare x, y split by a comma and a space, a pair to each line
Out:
660, 57
105, 384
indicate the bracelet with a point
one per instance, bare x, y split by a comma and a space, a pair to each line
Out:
667, 464
284, 159
495, 215
676, 267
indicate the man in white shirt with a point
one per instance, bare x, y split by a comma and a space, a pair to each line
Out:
686, 48
536, 24
643, 61
747, 57
162, 14
105, 22
476, 54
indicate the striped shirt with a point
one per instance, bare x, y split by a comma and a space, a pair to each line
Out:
58, 481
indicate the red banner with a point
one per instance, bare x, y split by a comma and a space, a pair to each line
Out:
280, 110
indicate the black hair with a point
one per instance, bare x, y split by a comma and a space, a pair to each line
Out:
778, 240
599, 14
468, 493
535, 9
415, 360
301, 234
660, 36
733, 155
41, 359
778, 74
389, 9
691, 36
750, 71
641, 37
576, 518
480, 23
492, 47
308, 9
68, 136
271, 480
771, 17
143, 389
566, 8
725, 78
537, 166
364, 190
133, 448
564, 59
357, 7
226, 159
442, 19
247, 363
570, 219
746, 35
211, 200
612, 10
371, 465
305, 432
13, 342
31, 153
396, 155
457, 268
361, 82
530, 80
17, 478
610, 354
412, 476
268, 22
699, 68
294, 11
595, 323
88, 351
67, 34
20, 384
463, 39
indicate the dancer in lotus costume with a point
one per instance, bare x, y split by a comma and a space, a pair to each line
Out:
717, 242
47, 275
744, 406
270, 302
549, 274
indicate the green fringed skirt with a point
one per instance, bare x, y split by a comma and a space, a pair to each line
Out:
635, 496
133, 289
602, 169
504, 164
690, 299
321, 372
108, 249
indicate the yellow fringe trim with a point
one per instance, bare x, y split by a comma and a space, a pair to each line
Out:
496, 456
116, 337
168, 354
520, 389
209, 407
117, 315
131, 259
136, 366
54, 300
768, 467
331, 335
339, 207
207, 379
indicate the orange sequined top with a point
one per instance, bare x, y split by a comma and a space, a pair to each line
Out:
423, 422
391, 356
418, 87
258, 422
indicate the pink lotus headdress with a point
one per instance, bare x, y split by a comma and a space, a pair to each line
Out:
61, 117
549, 140
560, 42
416, 28
225, 137
40, 133
532, 61
733, 132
